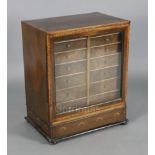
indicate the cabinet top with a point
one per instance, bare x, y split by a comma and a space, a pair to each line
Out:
74, 21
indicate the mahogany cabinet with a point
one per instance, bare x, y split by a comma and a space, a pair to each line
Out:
75, 73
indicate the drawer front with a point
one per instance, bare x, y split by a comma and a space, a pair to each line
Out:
105, 86
66, 57
70, 81
89, 123
105, 50
70, 94
101, 62
70, 45
70, 68
105, 39
106, 73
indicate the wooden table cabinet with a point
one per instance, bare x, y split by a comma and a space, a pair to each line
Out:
75, 73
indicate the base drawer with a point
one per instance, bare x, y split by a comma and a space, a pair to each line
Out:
85, 124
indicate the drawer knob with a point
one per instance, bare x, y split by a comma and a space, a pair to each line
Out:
81, 124
117, 114
68, 45
63, 128
107, 39
99, 119
69, 108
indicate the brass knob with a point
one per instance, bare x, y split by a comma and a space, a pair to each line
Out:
107, 39
69, 108
99, 119
68, 45
81, 124
63, 128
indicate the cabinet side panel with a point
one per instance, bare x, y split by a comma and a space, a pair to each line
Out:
34, 51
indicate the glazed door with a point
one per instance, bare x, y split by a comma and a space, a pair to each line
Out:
87, 71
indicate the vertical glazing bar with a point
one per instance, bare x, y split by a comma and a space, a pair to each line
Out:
88, 69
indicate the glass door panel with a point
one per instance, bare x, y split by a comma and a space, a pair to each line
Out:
105, 68
70, 74
87, 71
